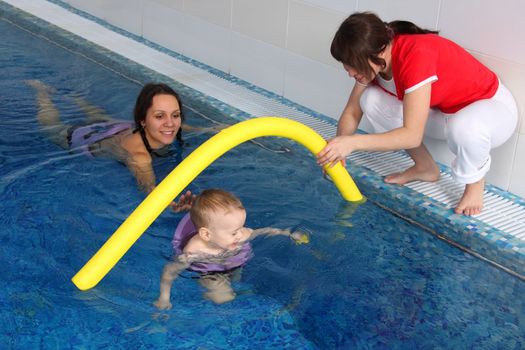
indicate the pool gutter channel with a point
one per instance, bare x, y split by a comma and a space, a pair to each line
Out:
497, 235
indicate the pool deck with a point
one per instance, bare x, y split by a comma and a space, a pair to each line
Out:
497, 235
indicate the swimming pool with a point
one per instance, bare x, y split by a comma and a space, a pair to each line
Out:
367, 279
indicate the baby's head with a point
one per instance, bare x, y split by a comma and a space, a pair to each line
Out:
218, 216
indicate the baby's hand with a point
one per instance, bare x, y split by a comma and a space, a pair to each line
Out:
162, 304
185, 202
300, 237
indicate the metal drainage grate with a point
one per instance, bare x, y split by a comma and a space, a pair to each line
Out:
499, 212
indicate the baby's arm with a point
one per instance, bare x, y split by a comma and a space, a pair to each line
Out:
297, 237
169, 274
270, 231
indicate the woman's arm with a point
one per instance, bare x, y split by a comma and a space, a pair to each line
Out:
140, 167
410, 135
352, 113
130, 150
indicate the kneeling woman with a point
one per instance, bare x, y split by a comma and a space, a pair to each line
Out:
158, 122
411, 82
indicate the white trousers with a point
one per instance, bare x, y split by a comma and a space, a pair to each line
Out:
470, 133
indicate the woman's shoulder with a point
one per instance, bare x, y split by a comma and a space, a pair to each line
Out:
134, 146
427, 42
127, 148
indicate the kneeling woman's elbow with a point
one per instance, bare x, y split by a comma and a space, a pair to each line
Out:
413, 141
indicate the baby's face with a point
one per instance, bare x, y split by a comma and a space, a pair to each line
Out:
227, 229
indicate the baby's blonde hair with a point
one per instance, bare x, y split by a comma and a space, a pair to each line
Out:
212, 200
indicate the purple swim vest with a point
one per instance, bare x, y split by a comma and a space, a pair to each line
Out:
185, 230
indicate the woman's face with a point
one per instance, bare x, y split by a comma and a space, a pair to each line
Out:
163, 121
358, 76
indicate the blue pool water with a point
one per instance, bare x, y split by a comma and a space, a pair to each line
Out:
367, 280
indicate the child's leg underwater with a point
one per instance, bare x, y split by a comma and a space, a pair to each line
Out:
218, 287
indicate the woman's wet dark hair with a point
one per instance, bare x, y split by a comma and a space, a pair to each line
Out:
145, 100
363, 36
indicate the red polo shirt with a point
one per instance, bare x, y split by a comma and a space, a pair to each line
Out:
458, 79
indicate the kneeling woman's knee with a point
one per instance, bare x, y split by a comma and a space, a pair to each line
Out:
371, 98
384, 111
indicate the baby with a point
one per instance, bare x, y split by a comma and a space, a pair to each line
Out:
217, 247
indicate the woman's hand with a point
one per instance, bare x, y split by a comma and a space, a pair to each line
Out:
185, 202
336, 150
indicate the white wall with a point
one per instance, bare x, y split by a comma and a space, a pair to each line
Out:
283, 46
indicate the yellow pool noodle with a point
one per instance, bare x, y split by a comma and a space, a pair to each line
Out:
153, 205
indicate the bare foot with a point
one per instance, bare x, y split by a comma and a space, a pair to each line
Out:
414, 173
471, 202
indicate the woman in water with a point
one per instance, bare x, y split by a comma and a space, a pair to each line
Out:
158, 122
